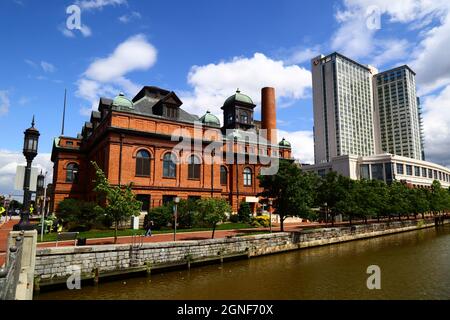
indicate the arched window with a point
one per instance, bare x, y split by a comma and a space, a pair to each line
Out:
247, 177
194, 168
72, 173
143, 164
223, 176
169, 166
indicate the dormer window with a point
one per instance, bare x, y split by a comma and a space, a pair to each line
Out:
171, 112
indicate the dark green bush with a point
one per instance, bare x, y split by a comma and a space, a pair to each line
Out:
244, 212
161, 217
234, 218
78, 214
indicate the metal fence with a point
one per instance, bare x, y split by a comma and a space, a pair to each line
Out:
9, 276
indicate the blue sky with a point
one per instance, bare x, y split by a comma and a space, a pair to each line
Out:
204, 50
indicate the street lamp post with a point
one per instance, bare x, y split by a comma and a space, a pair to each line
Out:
30, 150
43, 207
270, 213
177, 201
326, 213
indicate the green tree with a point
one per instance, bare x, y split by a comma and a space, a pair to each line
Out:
80, 214
372, 198
244, 212
398, 201
186, 213
212, 211
437, 198
420, 201
294, 191
347, 203
120, 203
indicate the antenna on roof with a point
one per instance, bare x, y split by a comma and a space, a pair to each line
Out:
64, 112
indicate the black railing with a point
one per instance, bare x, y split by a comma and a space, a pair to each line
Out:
9, 276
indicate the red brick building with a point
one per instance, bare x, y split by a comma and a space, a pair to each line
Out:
133, 142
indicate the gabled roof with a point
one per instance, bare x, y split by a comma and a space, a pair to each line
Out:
170, 98
151, 91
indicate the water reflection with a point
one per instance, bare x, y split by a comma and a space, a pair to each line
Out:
414, 265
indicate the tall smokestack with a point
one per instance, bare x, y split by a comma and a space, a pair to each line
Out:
269, 114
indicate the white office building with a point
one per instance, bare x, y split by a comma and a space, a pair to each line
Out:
343, 108
396, 105
367, 125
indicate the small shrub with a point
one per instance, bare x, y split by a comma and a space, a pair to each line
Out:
261, 221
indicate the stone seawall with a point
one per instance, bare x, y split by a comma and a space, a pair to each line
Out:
55, 265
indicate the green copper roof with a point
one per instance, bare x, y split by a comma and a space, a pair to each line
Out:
210, 119
122, 102
239, 97
285, 143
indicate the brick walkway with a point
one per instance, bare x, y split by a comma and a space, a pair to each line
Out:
5, 229
200, 235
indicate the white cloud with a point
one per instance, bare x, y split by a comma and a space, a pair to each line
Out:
132, 55
302, 144
301, 55
4, 102
107, 76
390, 49
436, 126
66, 32
85, 31
213, 83
31, 63
24, 101
126, 18
430, 63
47, 67
8, 164
99, 4
355, 36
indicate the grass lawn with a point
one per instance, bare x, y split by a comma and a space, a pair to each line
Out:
94, 234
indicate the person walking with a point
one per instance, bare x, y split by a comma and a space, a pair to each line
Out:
149, 228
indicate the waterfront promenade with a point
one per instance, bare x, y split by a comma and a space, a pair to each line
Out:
167, 237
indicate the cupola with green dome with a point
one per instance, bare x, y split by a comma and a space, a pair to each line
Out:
239, 97
210, 120
284, 143
238, 112
122, 102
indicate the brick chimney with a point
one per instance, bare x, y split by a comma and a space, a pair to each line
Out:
269, 114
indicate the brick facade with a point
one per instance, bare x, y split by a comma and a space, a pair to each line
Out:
113, 139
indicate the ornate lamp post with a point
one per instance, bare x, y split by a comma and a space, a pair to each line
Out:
30, 150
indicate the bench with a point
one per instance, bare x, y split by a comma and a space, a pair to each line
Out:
66, 236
